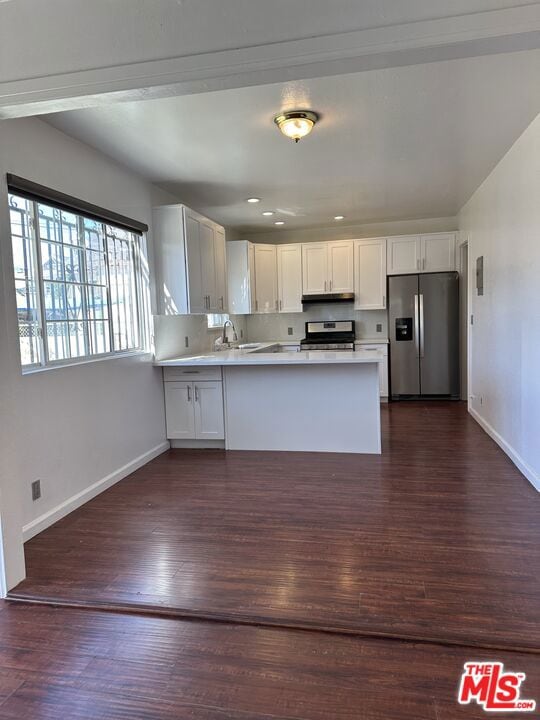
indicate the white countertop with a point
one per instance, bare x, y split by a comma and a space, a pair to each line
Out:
249, 357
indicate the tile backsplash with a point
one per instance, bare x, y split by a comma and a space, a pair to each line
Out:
275, 326
170, 331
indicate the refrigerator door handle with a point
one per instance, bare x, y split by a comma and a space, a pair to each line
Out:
421, 324
416, 329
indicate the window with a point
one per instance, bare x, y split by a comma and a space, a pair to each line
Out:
77, 284
216, 320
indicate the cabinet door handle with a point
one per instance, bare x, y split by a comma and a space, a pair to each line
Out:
277, 305
221, 301
423, 263
280, 305
384, 301
196, 394
418, 264
330, 284
189, 393
325, 285
256, 304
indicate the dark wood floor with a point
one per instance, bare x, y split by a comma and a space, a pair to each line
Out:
437, 539
85, 665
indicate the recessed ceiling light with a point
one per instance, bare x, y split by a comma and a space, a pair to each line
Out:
279, 222
339, 217
267, 213
254, 200
296, 124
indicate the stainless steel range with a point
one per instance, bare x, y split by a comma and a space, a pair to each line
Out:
329, 335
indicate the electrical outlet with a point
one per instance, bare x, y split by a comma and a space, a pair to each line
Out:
36, 490
289, 331
378, 327
186, 341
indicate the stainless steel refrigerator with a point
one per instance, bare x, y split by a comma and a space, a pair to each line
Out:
424, 335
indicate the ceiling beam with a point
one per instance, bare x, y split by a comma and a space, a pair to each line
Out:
497, 31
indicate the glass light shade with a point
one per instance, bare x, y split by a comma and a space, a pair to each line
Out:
297, 124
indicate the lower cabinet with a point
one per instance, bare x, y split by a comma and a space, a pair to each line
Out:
194, 409
383, 367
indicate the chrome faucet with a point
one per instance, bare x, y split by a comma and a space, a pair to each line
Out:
224, 336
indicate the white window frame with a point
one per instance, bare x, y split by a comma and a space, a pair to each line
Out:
140, 324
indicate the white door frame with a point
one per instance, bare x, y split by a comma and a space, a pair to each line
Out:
464, 316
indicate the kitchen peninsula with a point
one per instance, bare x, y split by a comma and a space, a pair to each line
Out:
268, 399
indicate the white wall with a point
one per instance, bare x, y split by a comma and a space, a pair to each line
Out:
502, 221
342, 231
72, 426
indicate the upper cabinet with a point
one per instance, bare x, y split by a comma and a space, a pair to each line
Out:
241, 277
421, 253
403, 254
438, 252
315, 268
289, 277
327, 267
190, 261
266, 299
370, 274
340, 266
264, 278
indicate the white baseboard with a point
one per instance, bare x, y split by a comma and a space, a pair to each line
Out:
198, 444
60, 511
518, 461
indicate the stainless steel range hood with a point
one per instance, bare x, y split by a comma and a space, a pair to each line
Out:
328, 298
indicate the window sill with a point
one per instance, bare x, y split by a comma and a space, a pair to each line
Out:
86, 361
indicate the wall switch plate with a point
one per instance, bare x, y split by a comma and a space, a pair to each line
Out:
378, 327
36, 490
289, 331
186, 341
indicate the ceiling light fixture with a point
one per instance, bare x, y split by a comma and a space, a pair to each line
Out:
253, 200
267, 213
296, 124
279, 222
339, 217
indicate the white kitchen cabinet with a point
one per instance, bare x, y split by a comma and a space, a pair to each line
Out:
179, 410
404, 254
289, 278
190, 261
220, 255
194, 409
421, 253
438, 252
241, 277
383, 366
370, 274
340, 266
208, 264
314, 268
266, 299
208, 406
327, 267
